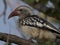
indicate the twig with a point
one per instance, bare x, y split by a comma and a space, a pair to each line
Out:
15, 39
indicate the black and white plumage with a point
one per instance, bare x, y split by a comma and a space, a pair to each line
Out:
34, 26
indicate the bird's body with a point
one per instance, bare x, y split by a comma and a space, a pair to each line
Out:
33, 32
34, 26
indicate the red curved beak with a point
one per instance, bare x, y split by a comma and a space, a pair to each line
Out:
14, 13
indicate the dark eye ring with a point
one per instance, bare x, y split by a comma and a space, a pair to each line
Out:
21, 9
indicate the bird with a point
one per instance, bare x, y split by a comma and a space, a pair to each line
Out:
33, 25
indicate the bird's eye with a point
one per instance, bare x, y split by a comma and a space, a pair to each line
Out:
21, 10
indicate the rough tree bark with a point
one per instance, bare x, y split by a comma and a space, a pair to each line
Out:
15, 39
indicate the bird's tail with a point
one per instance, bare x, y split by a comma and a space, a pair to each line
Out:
52, 28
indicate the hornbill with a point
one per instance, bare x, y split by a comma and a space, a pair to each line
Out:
33, 25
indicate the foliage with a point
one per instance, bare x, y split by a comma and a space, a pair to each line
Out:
53, 12
29, 1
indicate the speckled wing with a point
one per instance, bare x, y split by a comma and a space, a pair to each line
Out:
35, 21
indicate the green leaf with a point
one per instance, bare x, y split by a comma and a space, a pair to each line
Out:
29, 1
43, 1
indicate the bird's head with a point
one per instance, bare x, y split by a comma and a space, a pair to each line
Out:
21, 11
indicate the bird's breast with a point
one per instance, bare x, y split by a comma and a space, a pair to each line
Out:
39, 33
30, 31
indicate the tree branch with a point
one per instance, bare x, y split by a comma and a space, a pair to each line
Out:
15, 39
